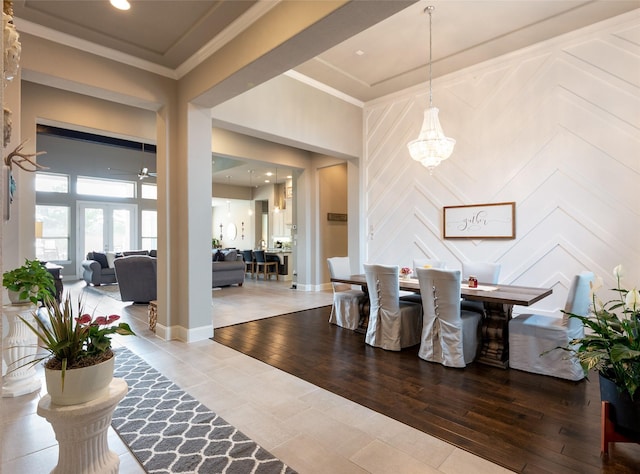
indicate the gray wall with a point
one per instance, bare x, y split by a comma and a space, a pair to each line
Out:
80, 158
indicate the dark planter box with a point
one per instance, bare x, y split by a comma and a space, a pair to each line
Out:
624, 412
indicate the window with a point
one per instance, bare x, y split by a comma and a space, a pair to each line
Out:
52, 183
106, 187
52, 233
149, 191
149, 230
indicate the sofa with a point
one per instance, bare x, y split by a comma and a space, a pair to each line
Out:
137, 278
98, 267
227, 268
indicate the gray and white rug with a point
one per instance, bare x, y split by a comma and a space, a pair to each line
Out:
112, 290
168, 431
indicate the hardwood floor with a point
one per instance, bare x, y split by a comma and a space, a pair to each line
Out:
525, 422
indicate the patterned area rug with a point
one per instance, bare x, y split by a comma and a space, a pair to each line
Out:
168, 431
112, 291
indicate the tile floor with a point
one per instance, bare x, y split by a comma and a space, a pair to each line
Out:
310, 429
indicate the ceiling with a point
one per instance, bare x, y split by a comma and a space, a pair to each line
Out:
171, 37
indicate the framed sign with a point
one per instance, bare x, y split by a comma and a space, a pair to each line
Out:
480, 221
332, 216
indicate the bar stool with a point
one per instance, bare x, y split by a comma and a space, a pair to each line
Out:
263, 266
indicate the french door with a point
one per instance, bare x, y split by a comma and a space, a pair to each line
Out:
106, 227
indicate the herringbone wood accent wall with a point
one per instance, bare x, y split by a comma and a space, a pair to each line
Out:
554, 128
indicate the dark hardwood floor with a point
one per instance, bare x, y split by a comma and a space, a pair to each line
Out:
525, 422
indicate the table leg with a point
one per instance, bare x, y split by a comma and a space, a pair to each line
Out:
495, 335
364, 307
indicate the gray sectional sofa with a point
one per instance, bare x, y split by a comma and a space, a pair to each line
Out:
98, 267
137, 278
229, 271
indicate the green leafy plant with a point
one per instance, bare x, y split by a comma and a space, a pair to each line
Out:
73, 339
612, 346
31, 281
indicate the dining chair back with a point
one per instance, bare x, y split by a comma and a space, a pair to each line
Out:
487, 273
420, 263
348, 302
267, 268
393, 324
450, 335
247, 256
427, 263
533, 338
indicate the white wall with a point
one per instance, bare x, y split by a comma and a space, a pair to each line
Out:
289, 112
235, 212
555, 128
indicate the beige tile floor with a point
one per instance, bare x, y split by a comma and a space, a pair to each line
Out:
310, 429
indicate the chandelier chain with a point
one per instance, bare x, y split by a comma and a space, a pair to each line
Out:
430, 10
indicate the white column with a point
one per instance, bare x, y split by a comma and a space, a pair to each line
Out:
82, 432
18, 350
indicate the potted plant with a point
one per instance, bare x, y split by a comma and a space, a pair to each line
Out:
79, 361
611, 346
29, 283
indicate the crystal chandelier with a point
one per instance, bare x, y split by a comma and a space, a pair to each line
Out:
431, 146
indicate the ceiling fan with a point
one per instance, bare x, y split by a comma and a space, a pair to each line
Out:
145, 173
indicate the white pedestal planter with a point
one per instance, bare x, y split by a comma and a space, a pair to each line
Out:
80, 385
19, 347
81, 431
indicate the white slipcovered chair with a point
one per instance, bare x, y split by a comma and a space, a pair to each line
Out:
393, 324
420, 263
345, 311
427, 263
450, 336
532, 335
487, 273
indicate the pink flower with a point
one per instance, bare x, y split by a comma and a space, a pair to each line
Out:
106, 320
84, 319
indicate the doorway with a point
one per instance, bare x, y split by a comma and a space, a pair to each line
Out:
106, 227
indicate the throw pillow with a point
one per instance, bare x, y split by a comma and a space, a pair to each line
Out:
111, 256
230, 255
128, 253
218, 256
101, 259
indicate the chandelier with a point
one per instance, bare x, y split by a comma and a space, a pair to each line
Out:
432, 146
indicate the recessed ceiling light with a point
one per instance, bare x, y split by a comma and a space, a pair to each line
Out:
360, 52
267, 181
269, 173
120, 4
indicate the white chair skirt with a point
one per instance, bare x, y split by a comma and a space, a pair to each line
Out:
531, 336
346, 311
453, 344
395, 330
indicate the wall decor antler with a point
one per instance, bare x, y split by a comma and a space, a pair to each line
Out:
18, 158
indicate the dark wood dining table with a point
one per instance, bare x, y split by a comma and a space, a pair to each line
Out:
498, 302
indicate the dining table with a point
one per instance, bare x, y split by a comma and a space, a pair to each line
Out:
498, 301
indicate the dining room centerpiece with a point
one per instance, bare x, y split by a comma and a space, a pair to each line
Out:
79, 361
29, 283
405, 272
611, 346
